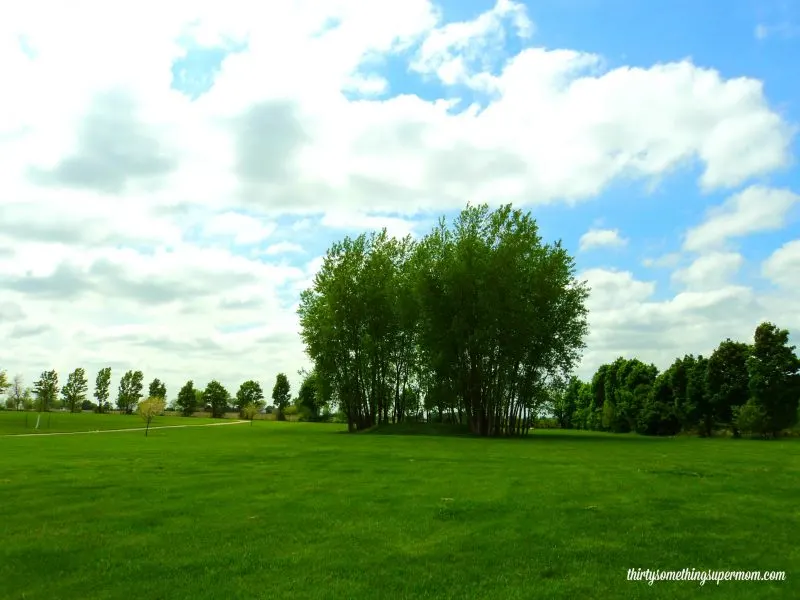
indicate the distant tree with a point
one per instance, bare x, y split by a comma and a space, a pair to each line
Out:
309, 399
102, 385
150, 409
157, 389
249, 412
198, 396
697, 410
281, 395
750, 418
187, 399
74, 391
4, 382
774, 378
250, 392
27, 399
130, 391
217, 397
88, 405
728, 382
46, 390
16, 393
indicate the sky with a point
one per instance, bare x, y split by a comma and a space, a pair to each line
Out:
171, 174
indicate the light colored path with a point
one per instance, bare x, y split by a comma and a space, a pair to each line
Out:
120, 430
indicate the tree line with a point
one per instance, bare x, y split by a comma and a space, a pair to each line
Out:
476, 323
45, 395
741, 388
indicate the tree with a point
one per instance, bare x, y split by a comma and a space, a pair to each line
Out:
74, 391
157, 389
102, 385
130, 391
728, 383
46, 390
281, 395
310, 400
187, 399
774, 378
249, 412
4, 382
217, 396
16, 392
250, 392
149, 409
482, 318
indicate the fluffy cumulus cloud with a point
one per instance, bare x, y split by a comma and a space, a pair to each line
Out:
601, 238
144, 227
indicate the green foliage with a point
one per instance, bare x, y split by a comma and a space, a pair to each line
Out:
484, 301
74, 391
249, 412
4, 382
130, 391
157, 389
310, 399
150, 409
249, 394
774, 373
102, 389
187, 399
281, 394
46, 390
728, 380
751, 418
217, 397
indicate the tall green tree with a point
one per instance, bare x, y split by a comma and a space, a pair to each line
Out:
249, 393
217, 396
482, 318
74, 391
281, 394
774, 377
728, 381
187, 399
46, 390
130, 391
157, 389
102, 388
310, 399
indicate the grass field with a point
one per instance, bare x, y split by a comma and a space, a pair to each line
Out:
13, 422
295, 510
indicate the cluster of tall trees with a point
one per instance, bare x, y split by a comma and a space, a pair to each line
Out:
742, 388
214, 398
474, 322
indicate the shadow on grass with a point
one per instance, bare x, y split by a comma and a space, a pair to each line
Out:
539, 435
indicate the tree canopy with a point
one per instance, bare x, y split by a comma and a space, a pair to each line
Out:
478, 320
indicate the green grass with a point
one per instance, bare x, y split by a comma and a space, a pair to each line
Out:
13, 422
295, 510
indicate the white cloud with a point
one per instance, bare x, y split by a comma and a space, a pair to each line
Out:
669, 260
243, 229
710, 271
752, 210
120, 197
783, 266
601, 238
283, 248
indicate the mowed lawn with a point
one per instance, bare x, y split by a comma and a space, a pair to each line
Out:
295, 510
13, 422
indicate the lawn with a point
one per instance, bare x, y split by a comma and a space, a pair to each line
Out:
295, 510
13, 422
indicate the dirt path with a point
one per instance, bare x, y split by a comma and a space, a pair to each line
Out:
120, 430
